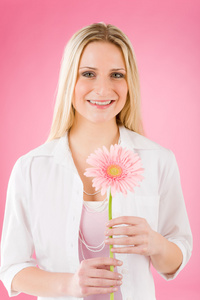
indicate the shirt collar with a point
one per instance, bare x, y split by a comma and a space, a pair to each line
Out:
62, 153
133, 140
129, 139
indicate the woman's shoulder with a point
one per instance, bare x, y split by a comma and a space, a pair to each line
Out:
39, 156
45, 150
146, 148
139, 142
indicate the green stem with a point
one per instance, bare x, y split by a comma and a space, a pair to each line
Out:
111, 253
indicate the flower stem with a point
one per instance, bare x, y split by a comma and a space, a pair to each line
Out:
111, 246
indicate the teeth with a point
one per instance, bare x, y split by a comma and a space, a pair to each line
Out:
100, 102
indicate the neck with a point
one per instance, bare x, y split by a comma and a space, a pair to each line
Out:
89, 136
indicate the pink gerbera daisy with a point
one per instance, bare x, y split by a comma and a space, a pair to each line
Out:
120, 169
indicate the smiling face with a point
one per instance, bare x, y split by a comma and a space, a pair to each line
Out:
101, 88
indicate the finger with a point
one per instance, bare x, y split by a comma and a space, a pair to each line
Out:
87, 290
100, 273
131, 250
104, 267
134, 241
102, 282
100, 261
122, 230
129, 220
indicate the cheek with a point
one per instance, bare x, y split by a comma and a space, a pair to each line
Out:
81, 89
122, 90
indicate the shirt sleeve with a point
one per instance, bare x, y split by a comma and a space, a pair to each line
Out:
173, 219
16, 243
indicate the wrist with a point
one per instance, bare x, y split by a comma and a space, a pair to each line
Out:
159, 245
159, 252
167, 256
65, 285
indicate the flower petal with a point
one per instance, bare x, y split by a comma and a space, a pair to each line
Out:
128, 161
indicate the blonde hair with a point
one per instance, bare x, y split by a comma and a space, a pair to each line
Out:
130, 115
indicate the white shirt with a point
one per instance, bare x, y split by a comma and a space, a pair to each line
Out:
44, 205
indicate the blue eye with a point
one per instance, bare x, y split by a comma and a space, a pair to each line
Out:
117, 75
88, 74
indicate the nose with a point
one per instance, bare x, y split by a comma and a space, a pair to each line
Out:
103, 88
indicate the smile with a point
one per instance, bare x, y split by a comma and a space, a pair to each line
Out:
100, 103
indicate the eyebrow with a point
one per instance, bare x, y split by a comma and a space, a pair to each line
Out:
91, 68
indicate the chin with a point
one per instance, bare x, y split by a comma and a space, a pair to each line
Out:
103, 121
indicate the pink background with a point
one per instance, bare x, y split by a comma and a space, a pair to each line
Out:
166, 39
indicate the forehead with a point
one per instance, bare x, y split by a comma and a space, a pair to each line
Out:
99, 53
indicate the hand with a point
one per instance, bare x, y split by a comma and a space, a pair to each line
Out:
139, 237
94, 277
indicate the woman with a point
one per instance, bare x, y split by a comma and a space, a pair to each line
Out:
98, 104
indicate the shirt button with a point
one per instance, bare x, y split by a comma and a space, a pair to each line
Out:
124, 271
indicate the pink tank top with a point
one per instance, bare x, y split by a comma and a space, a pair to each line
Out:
92, 228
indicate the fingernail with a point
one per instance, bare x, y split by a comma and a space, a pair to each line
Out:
119, 282
120, 276
119, 262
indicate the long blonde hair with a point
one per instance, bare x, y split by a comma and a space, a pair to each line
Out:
130, 115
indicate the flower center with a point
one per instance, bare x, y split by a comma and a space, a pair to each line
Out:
114, 170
